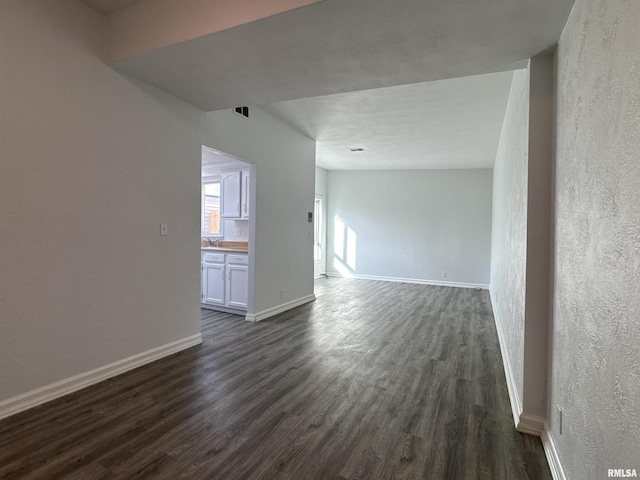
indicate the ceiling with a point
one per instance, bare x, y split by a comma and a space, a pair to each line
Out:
326, 68
452, 123
338, 46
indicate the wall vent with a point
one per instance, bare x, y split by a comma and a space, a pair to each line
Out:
244, 111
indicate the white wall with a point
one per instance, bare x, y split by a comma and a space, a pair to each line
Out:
539, 208
596, 325
412, 224
520, 260
321, 182
91, 162
236, 230
284, 179
509, 233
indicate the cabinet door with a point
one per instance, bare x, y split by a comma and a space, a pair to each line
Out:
246, 180
237, 286
230, 192
213, 283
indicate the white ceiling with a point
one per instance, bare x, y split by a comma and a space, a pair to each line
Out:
324, 68
338, 46
452, 123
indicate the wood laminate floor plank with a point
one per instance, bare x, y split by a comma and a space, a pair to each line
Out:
373, 380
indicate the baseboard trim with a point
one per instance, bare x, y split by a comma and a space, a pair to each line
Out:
530, 424
419, 281
270, 312
514, 398
222, 308
45, 394
553, 459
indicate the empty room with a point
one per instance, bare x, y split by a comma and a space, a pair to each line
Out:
249, 239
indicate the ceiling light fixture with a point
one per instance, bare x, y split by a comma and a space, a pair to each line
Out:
356, 149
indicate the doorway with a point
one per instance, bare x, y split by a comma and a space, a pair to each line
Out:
319, 237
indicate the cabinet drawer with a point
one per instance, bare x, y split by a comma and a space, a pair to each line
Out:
238, 259
213, 257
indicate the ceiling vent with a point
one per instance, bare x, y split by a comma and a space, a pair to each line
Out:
357, 149
244, 111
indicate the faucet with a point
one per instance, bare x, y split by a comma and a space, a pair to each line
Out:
206, 240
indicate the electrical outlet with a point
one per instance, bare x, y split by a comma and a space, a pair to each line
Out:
164, 229
444, 274
560, 419
281, 293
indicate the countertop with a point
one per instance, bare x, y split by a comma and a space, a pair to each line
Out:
227, 246
225, 249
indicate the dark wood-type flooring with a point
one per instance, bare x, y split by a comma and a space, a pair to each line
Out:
373, 380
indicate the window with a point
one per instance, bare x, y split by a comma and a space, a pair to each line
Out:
211, 225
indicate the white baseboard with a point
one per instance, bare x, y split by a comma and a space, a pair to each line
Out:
222, 308
550, 450
514, 397
530, 424
69, 385
270, 312
525, 423
412, 280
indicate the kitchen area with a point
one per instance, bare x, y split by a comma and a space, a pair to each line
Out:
225, 232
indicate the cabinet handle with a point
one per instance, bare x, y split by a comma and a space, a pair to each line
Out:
245, 208
222, 274
229, 275
237, 207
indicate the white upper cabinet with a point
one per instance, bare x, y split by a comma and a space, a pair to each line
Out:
230, 190
244, 204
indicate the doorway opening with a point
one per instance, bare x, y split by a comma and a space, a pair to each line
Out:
227, 233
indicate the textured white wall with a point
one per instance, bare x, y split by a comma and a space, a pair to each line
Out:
90, 163
414, 224
509, 228
596, 331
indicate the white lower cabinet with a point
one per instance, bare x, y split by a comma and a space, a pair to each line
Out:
237, 280
213, 279
213, 283
225, 280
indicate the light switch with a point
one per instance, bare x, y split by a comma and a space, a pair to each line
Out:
164, 229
